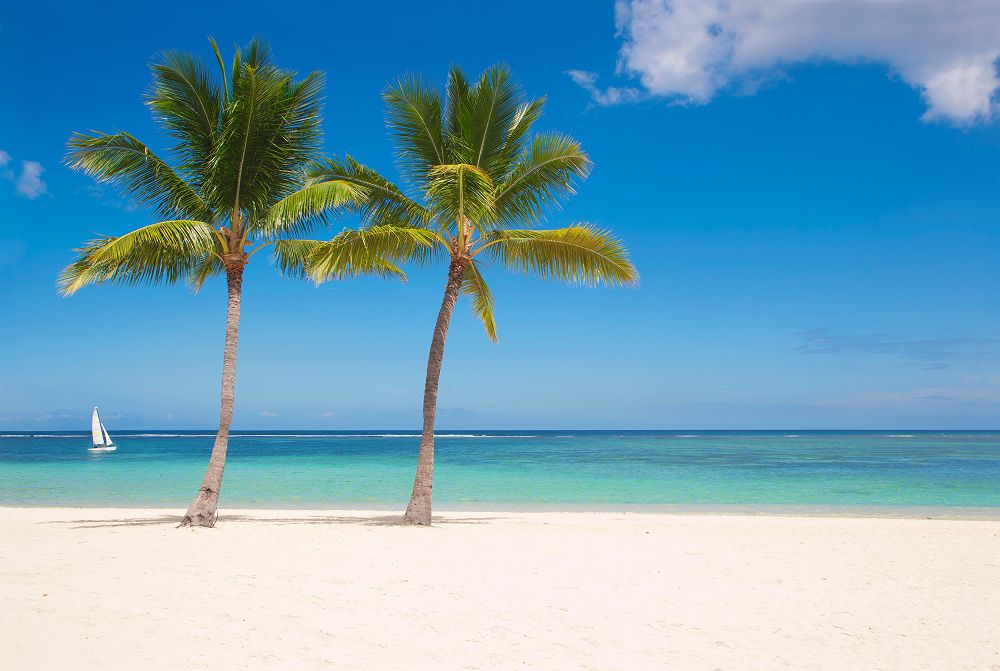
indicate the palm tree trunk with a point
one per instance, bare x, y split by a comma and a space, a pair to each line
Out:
419, 509
204, 509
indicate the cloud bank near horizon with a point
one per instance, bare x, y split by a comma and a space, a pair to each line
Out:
689, 51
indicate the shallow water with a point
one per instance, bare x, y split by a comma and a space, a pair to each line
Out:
517, 469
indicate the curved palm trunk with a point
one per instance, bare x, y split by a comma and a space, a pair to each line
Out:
204, 509
419, 509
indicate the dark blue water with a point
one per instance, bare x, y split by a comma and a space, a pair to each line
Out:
515, 469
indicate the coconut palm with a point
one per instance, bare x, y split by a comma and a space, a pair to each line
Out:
480, 179
241, 144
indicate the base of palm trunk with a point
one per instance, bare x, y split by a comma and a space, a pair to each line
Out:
204, 511
418, 513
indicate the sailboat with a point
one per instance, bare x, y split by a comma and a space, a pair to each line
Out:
102, 441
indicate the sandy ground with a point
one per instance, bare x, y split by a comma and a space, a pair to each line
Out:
124, 589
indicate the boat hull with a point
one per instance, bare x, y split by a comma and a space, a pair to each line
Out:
107, 448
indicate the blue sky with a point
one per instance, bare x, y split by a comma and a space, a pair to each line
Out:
817, 231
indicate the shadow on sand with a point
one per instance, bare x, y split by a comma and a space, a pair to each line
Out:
382, 521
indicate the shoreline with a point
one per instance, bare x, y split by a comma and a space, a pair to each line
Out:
953, 513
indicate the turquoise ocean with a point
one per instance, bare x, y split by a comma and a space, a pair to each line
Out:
507, 470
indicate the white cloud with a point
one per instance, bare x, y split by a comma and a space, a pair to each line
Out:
613, 95
268, 413
690, 50
4, 158
328, 413
30, 183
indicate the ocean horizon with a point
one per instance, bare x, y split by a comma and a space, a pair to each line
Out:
886, 472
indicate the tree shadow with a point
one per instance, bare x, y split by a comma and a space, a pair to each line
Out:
382, 521
368, 521
126, 522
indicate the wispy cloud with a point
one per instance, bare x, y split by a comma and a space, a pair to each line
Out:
691, 50
268, 413
611, 95
98, 192
963, 396
455, 410
28, 182
49, 416
930, 354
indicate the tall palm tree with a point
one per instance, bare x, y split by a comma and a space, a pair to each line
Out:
241, 144
479, 179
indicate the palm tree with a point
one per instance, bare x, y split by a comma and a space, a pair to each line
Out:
242, 143
480, 180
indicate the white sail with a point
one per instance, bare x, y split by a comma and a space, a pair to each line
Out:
107, 438
96, 429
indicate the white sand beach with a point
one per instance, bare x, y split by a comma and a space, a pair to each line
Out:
124, 589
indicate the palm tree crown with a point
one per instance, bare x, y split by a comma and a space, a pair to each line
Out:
241, 143
478, 173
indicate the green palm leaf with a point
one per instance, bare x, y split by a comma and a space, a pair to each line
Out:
320, 261
208, 267
456, 95
300, 211
520, 126
374, 250
459, 193
544, 173
383, 202
580, 253
270, 130
186, 102
474, 286
414, 118
162, 252
124, 161
487, 114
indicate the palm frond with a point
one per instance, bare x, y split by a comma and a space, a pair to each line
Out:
124, 161
222, 70
520, 126
294, 257
162, 252
474, 286
374, 251
544, 173
187, 102
456, 94
383, 201
487, 114
269, 131
413, 116
398, 244
316, 203
581, 254
209, 267
255, 55
459, 193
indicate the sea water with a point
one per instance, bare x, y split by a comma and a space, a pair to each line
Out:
551, 470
